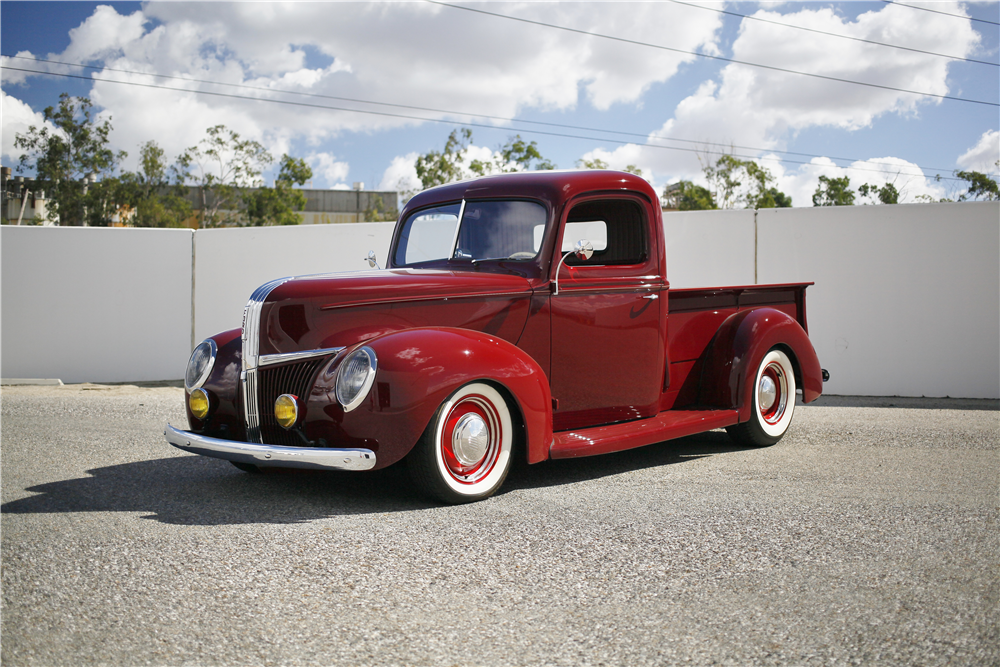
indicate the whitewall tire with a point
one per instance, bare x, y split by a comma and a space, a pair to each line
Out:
773, 399
465, 453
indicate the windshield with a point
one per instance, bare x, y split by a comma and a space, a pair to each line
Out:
472, 230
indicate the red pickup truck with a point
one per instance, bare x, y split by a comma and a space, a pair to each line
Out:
519, 315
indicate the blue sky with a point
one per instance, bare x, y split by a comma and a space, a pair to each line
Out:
460, 63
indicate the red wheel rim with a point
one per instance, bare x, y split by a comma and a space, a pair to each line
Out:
470, 440
772, 381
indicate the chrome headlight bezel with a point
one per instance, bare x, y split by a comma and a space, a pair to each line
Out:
200, 364
355, 377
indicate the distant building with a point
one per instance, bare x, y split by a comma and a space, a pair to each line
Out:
338, 206
671, 199
325, 207
22, 202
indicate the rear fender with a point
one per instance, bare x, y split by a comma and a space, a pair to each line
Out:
417, 370
739, 346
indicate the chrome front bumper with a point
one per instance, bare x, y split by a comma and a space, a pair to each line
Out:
271, 455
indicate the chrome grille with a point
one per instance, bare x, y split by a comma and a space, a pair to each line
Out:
273, 381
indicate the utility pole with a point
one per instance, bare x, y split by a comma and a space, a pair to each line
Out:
24, 202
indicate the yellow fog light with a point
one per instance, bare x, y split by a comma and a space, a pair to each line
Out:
199, 403
286, 410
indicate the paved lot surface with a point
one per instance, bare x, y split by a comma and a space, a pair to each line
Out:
867, 536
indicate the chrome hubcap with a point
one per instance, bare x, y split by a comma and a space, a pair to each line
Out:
767, 392
470, 439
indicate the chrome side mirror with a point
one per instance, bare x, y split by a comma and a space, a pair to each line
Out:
583, 250
373, 263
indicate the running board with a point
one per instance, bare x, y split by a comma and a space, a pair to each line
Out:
627, 435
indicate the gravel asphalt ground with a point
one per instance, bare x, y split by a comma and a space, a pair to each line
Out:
867, 536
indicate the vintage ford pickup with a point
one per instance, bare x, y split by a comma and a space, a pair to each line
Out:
519, 315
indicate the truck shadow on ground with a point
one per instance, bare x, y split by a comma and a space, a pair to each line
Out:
195, 490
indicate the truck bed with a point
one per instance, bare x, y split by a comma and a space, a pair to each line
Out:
695, 316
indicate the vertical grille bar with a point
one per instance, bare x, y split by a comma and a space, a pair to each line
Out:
250, 406
251, 351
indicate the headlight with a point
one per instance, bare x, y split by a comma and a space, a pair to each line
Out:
356, 376
286, 410
199, 403
200, 364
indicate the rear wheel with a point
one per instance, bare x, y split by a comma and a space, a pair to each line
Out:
465, 453
773, 397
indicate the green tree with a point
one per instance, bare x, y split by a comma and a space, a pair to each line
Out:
743, 184
73, 163
773, 198
887, 194
279, 205
438, 168
379, 212
598, 163
515, 155
686, 196
148, 194
223, 166
833, 192
981, 186
446, 166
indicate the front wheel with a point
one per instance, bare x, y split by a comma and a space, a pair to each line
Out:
773, 397
465, 453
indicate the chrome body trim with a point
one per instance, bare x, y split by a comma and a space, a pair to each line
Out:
251, 348
413, 299
271, 455
285, 357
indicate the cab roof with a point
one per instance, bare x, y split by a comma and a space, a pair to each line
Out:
553, 187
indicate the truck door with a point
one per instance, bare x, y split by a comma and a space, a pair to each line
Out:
608, 347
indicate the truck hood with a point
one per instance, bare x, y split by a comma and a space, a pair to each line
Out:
315, 312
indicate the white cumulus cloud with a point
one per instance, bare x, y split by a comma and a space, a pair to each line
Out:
908, 179
984, 155
760, 108
328, 171
17, 119
415, 53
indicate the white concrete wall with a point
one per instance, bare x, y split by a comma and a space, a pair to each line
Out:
707, 248
231, 263
98, 305
906, 300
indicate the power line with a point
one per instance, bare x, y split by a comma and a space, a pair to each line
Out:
449, 122
706, 55
938, 11
833, 34
582, 128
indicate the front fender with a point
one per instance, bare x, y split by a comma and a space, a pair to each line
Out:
738, 348
417, 370
223, 386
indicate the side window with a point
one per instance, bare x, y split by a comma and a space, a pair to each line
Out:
427, 235
616, 228
595, 231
